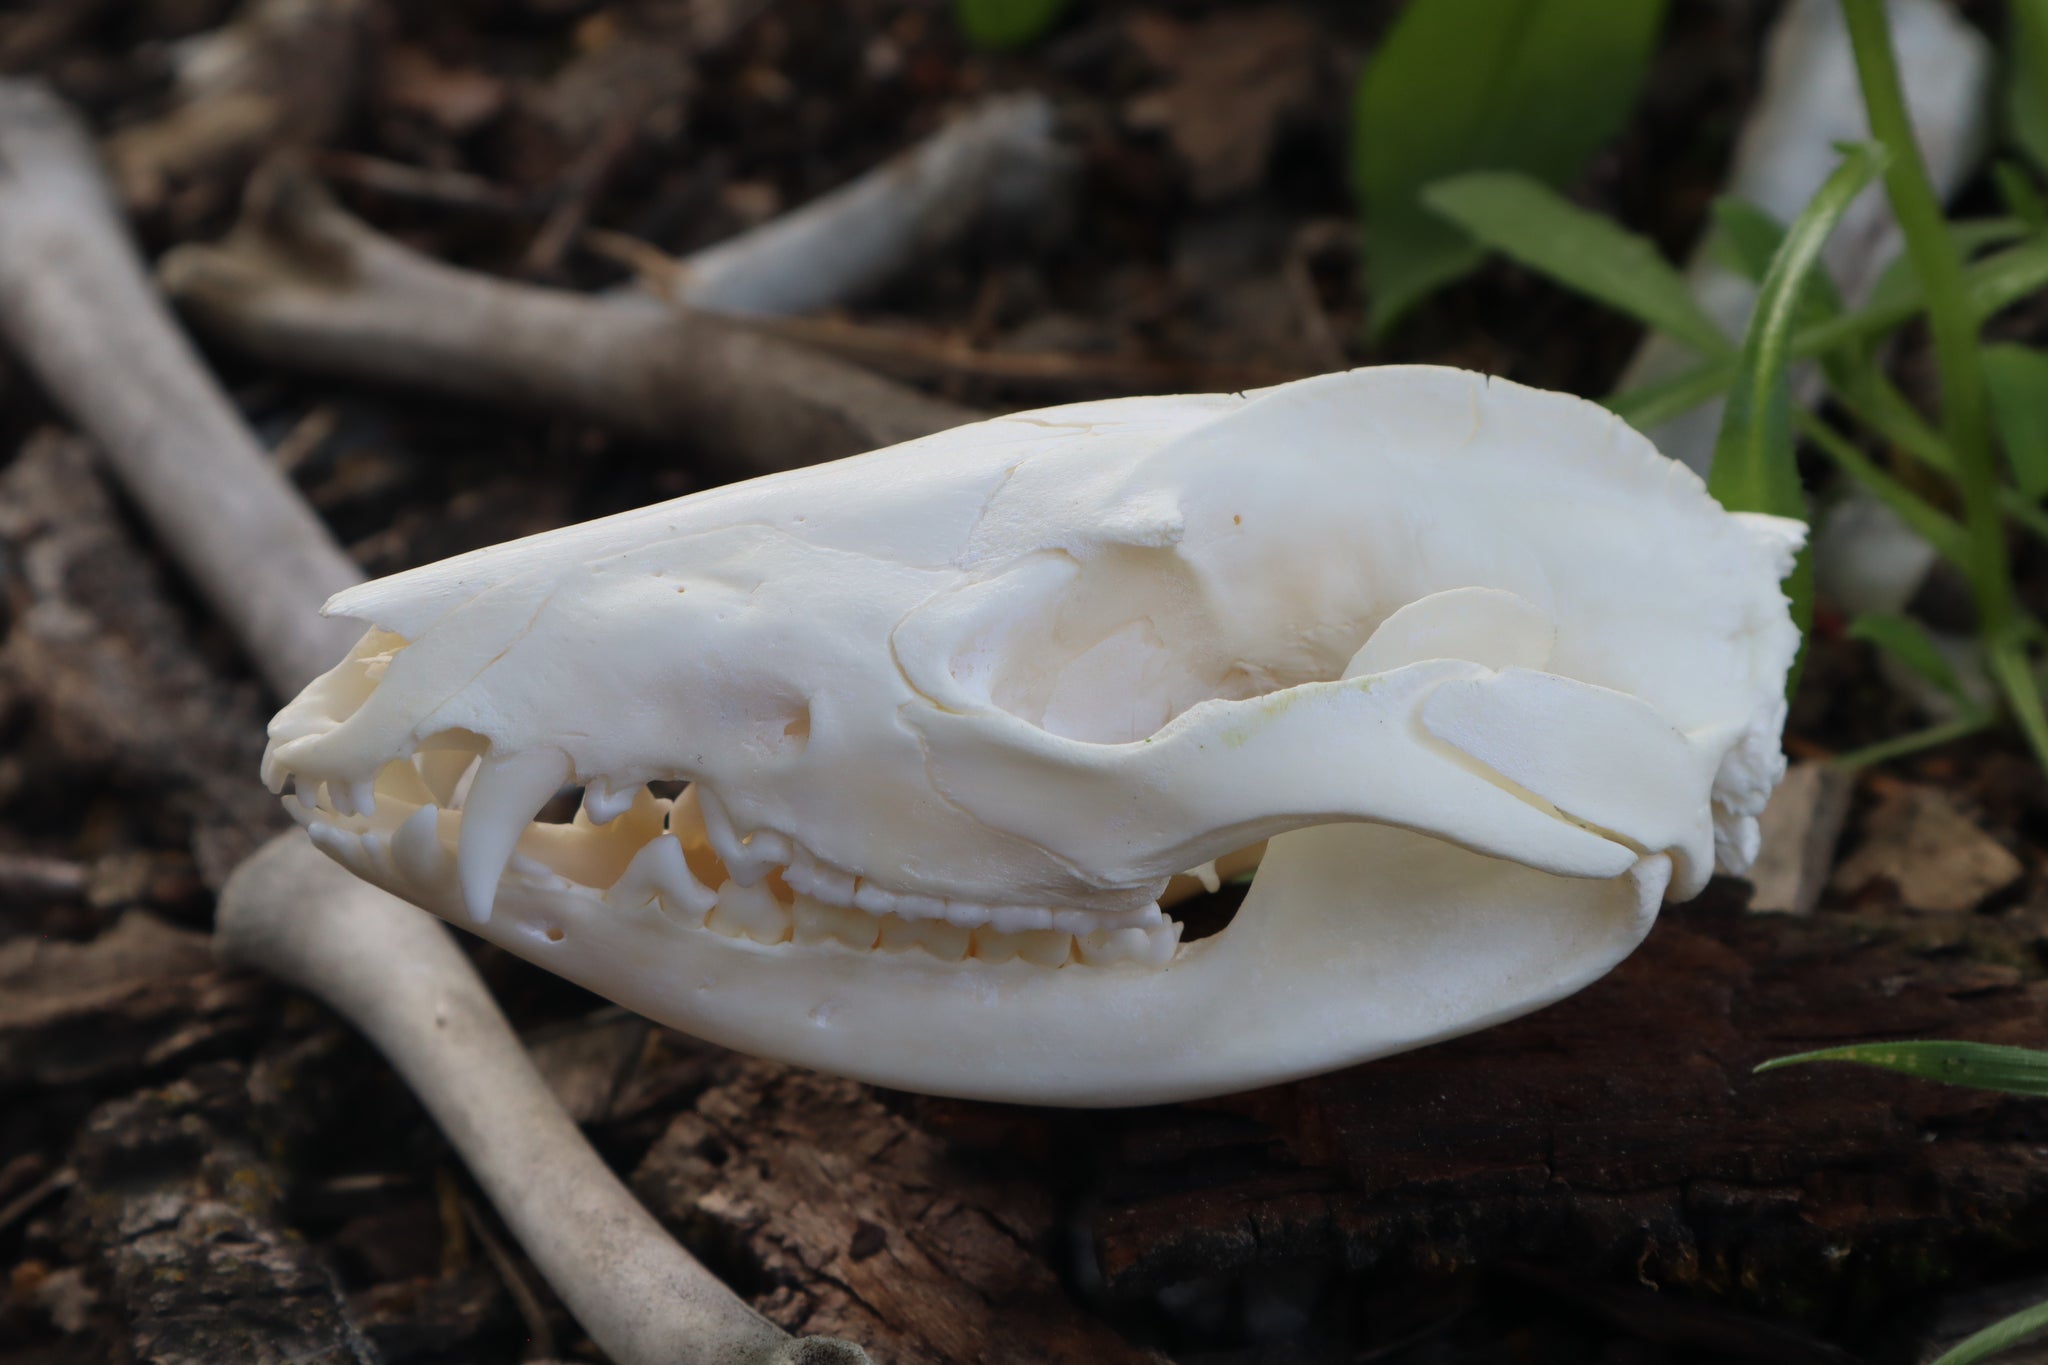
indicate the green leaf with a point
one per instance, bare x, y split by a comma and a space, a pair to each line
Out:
1985, 1066
1471, 85
2022, 198
1746, 237
999, 25
1995, 1338
2026, 84
2018, 379
1531, 223
1908, 641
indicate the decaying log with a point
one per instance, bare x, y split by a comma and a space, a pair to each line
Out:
105, 665
142, 997
1620, 1134
860, 1224
175, 1196
302, 283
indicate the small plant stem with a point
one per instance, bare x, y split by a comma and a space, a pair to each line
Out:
1965, 403
1886, 750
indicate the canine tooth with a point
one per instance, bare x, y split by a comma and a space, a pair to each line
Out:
533, 869
416, 848
749, 912
1147, 947
444, 771
465, 783
946, 942
603, 805
505, 795
818, 921
660, 872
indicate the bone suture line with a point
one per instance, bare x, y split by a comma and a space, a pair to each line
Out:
75, 303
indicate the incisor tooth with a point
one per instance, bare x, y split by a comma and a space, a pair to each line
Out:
818, 921
946, 942
506, 794
749, 912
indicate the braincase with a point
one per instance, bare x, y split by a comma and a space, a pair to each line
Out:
1256, 542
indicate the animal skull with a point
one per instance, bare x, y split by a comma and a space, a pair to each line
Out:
1489, 672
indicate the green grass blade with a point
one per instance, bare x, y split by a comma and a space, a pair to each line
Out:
1994, 283
1753, 457
999, 25
1536, 86
2026, 80
1997, 1337
2018, 376
1947, 732
1985, 1066
1532, 224
1908, 641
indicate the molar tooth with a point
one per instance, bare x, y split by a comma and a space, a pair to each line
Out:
1044, 947
602, 804
505, 795
818, 921
660, 872
1019, 919
1145, 947
1076, 922
416, 848
946, 942
749, 912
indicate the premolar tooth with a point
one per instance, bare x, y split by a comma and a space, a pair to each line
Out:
818, 921
747, 860
505, 795
816, 879
946, 942
602, 805
749, 912
416, 848
660, 872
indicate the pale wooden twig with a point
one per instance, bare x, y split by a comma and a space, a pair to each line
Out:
302, 283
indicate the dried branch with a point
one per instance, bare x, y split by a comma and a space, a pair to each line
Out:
396, 975
77, 305
1002, 157
300, 282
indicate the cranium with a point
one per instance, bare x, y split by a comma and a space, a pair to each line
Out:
1489, 673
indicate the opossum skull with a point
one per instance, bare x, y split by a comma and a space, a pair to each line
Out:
1486, 669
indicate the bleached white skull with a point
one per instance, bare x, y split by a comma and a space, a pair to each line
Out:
1488, 671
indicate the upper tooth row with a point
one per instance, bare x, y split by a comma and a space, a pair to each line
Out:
500, 796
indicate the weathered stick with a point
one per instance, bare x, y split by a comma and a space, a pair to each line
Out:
395, 974
73, 299
1000, 157
300, 282
76, 304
